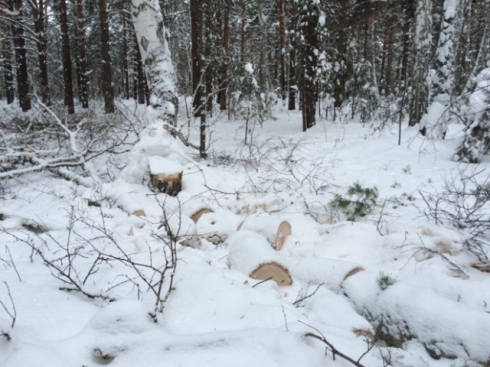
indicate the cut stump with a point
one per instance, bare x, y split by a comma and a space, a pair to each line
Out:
165, 175
251, 254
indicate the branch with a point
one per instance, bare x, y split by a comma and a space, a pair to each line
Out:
176, 133
334, 350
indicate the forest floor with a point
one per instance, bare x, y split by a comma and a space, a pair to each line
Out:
397, 286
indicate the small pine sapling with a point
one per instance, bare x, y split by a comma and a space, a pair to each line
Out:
357, 202
385, 280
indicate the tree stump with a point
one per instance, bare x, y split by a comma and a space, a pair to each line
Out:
165, 175
251, 254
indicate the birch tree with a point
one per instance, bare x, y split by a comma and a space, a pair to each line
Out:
155, 54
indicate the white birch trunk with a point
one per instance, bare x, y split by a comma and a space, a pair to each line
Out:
150, 32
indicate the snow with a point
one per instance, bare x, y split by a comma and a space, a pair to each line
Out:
249, 68
215, 314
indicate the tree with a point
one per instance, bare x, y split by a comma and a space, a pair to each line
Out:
67, 72
155, 55
309, 60
23, 84
82, 69
107, 87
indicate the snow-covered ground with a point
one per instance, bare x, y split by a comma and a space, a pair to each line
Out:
433, 308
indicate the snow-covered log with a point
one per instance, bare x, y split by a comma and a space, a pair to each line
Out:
330, 272
217, 227
150, 32
274, 229
250, 253
165, 175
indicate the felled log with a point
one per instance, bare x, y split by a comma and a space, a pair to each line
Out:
250, 253
217, 227
330, 272
165, 175
274, 229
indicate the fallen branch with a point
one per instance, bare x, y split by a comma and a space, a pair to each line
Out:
335, 351
298, 301
177, 134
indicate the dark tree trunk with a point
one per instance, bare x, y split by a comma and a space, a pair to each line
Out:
282, 49
20, 56
67, 73
7, 62
308, 23
197, 66
41, 43
224, 68
125, 56
81, 56
293, 88
107, 88
139, 77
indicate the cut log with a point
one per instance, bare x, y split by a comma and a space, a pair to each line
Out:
251, 254
165, 175
283, 232
274, 229
331, 272
217, 227
139, 213
195, 217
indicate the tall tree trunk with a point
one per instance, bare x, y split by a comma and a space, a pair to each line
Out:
67, 73
155, 55
7, 62
20, 55
224, 68
107, 87
37, 8
197, 70
125, 56
293, 88
308, 23
282, 49
81, 56
423, 42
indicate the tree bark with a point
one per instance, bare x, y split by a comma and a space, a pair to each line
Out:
81, 56
107, 87
67, 72
20, 56
37, 8
155, 55
7, 62
282, 49
224, 68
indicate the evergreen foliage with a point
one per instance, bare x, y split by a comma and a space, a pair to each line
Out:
358, 201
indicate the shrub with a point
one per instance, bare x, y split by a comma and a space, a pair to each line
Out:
357, 202
385, 281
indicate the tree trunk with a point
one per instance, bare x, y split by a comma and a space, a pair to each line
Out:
37, 8
282, 49
107, 87
224, 68
67, 74
197, 70
125, 56
7, 62
20, 56
155, 55
81, 56
293, 88
308, 23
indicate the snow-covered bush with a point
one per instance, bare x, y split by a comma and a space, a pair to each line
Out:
357, 202
477, 140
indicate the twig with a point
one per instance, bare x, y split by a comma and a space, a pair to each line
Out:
13, 313
334, 350
263, 281
308, 295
